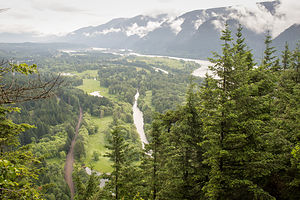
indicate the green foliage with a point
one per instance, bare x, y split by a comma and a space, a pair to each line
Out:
236, 124
18, 170
235, 137
96, 156
270, 61
86, 189
52, 183
9, 131
24, 68
18, 167
97, 142
121, 180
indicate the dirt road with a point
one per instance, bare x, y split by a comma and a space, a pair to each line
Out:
70, 158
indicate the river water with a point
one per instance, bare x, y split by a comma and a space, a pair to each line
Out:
200, 72
138, 120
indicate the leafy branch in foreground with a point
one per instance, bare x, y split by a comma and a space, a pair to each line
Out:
19, 168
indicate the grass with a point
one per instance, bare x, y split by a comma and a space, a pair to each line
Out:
148, 99
91, 85
172, 63
91, 74
97, 143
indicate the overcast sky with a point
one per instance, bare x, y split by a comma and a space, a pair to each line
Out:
62, 16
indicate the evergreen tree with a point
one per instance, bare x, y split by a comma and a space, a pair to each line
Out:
117, 156
269, 57
286, 55
286, 134
122, 179
155, 157
296, 63
176, 156
233, 126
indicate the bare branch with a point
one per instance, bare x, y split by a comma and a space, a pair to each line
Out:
33, 89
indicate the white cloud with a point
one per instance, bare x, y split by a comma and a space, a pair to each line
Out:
198, 23
201, 19
258, 19
289, 8
219, 24
176, 25
141, 31
111, 30
106, 31
103, 32
65, 16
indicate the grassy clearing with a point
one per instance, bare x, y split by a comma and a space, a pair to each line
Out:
88, 74
91, 85
97, 143
172, 63
148, 99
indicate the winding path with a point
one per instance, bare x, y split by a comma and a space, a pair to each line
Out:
70, 158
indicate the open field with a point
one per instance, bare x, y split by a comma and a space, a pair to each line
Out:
91, 85
96, 143
88, 74
148, 99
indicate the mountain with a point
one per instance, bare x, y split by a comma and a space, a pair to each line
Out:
291, 35
194, 34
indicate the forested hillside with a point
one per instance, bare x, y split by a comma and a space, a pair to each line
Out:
232, 135
235, 137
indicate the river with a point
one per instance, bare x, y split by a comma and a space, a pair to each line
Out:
138, 120
200, 72
139, 124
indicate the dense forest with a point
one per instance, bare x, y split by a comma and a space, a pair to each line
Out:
232, 135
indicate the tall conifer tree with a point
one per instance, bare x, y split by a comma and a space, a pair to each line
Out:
233, 131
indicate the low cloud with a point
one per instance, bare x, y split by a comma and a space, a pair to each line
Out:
104, 32
219, 24
201, 19
290, 9
111, 30
141, 31
176, 25
259, 19
134, 29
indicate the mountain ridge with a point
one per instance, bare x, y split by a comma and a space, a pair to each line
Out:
194, 34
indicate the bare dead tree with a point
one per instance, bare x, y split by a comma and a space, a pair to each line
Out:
13, 92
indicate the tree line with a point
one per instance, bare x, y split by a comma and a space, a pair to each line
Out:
236, 137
